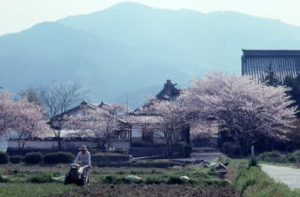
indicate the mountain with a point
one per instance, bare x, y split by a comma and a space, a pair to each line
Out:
129, 50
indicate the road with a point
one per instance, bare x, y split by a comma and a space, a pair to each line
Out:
286, 175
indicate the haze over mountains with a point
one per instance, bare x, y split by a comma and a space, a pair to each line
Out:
131, 49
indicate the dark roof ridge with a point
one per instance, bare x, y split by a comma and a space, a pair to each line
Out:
271, 52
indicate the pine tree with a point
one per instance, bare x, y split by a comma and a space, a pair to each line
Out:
294, 92
271, 79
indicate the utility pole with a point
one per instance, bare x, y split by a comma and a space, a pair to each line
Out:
127, 103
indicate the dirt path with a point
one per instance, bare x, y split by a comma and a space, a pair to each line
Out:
286, 175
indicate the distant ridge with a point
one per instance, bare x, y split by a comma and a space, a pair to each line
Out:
132, 49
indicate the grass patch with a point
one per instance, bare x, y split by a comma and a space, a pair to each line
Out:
31, 190
41, 178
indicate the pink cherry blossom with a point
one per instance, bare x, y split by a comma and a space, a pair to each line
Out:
241, 107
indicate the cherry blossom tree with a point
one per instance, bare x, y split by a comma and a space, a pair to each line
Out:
22, 118
30, 122
7, 109
244, 109
173, 122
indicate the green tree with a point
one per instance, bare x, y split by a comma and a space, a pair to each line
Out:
271, 79
294, 92
31, 94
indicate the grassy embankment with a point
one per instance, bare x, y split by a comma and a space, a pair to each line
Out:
253, 182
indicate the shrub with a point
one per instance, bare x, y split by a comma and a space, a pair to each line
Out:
294, 157
212, 172
16, 159
273, 156
154, 180
111, 179
231, 149
4, 158
175, 180
3, 179
41, 178
59, 157
132, 179
185, 149
224, 159
33, 158
252, 161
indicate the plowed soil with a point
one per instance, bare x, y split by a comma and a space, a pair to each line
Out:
103, 190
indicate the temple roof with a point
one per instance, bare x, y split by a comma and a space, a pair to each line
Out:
169, 91
257, 63
271, 53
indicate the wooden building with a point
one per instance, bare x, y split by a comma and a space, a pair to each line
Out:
257, 63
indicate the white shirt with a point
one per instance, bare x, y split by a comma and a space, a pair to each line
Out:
83, 158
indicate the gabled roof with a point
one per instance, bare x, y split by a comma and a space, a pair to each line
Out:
78, 107
83, 104
102, 104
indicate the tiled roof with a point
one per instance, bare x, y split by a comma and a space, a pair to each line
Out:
256, 63
142, 119
69, 133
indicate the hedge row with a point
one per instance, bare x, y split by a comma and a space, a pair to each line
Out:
37, 157
278, 157
4, 158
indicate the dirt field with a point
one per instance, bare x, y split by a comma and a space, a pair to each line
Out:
100, 190
112, 182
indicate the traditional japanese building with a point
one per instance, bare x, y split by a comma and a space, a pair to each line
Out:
139, 132
169, 91
257, 63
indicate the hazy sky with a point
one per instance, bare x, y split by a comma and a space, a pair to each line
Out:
16, 15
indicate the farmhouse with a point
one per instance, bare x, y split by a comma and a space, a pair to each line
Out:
257, 63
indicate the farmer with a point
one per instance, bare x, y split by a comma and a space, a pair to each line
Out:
84, 158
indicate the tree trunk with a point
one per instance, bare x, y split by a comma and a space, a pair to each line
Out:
252, 150
59, 143
19, 147
170, 150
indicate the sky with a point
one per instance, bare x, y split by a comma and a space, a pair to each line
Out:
17, 15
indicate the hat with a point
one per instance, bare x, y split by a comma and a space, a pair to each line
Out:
83, 147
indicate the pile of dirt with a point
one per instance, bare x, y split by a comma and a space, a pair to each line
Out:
100, 190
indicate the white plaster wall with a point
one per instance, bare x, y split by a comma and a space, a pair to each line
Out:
43, 145
3, 144
136, 131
